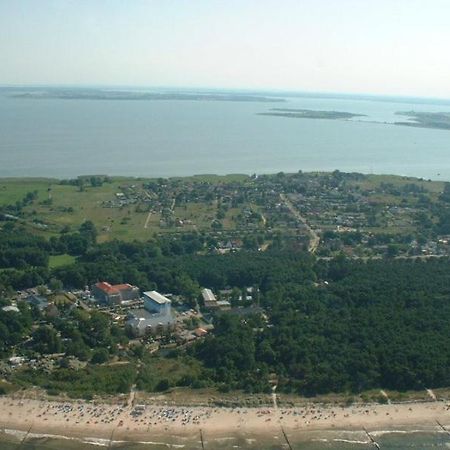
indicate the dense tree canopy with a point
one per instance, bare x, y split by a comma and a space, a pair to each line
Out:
379, 324
337, 325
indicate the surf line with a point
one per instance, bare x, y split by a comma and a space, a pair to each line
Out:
374, 442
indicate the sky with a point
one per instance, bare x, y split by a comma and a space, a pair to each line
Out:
394, 47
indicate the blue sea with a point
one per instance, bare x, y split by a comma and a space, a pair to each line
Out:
65, 138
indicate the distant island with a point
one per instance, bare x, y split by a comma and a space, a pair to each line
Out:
436, 120
439, 120
98, 94
309, 114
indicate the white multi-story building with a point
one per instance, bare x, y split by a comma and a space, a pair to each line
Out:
155, 316
156, 303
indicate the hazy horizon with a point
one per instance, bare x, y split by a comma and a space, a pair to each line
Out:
237, 90
388, 47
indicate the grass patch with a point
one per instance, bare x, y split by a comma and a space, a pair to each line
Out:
7, 388
215, 179
15, 189
172, 372
60, 260
372, 181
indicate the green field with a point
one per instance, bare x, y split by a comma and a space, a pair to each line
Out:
371, 181
14, 189
60, 260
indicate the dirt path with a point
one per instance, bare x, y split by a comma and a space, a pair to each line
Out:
264, 220
274, 397
383, 393
132, 396
431, 394
148, 219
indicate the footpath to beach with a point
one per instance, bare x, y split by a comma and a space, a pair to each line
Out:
140, 422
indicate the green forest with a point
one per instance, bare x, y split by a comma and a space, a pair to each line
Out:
336, 325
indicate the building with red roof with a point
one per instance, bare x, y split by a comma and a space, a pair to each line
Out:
114, 294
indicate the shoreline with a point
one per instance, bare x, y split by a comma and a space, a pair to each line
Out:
104, 424
224, 176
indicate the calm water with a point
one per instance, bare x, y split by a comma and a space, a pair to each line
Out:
65, 138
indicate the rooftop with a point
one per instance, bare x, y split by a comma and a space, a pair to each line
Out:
10, 309
223, 303
157, 297
39, 301
140, 313
141, 318
113, 289
208, 295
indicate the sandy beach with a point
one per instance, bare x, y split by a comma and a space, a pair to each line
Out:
141, 423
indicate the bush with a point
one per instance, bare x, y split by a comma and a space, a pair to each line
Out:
163, 385
100, 356
52, 391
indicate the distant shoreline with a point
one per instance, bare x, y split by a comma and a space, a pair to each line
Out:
210, 176
241, 91
432, 120
94, 94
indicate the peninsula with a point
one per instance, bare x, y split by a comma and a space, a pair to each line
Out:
438, 120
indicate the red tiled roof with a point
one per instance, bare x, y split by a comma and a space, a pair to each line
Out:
112, 289
122, 287
106, 287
